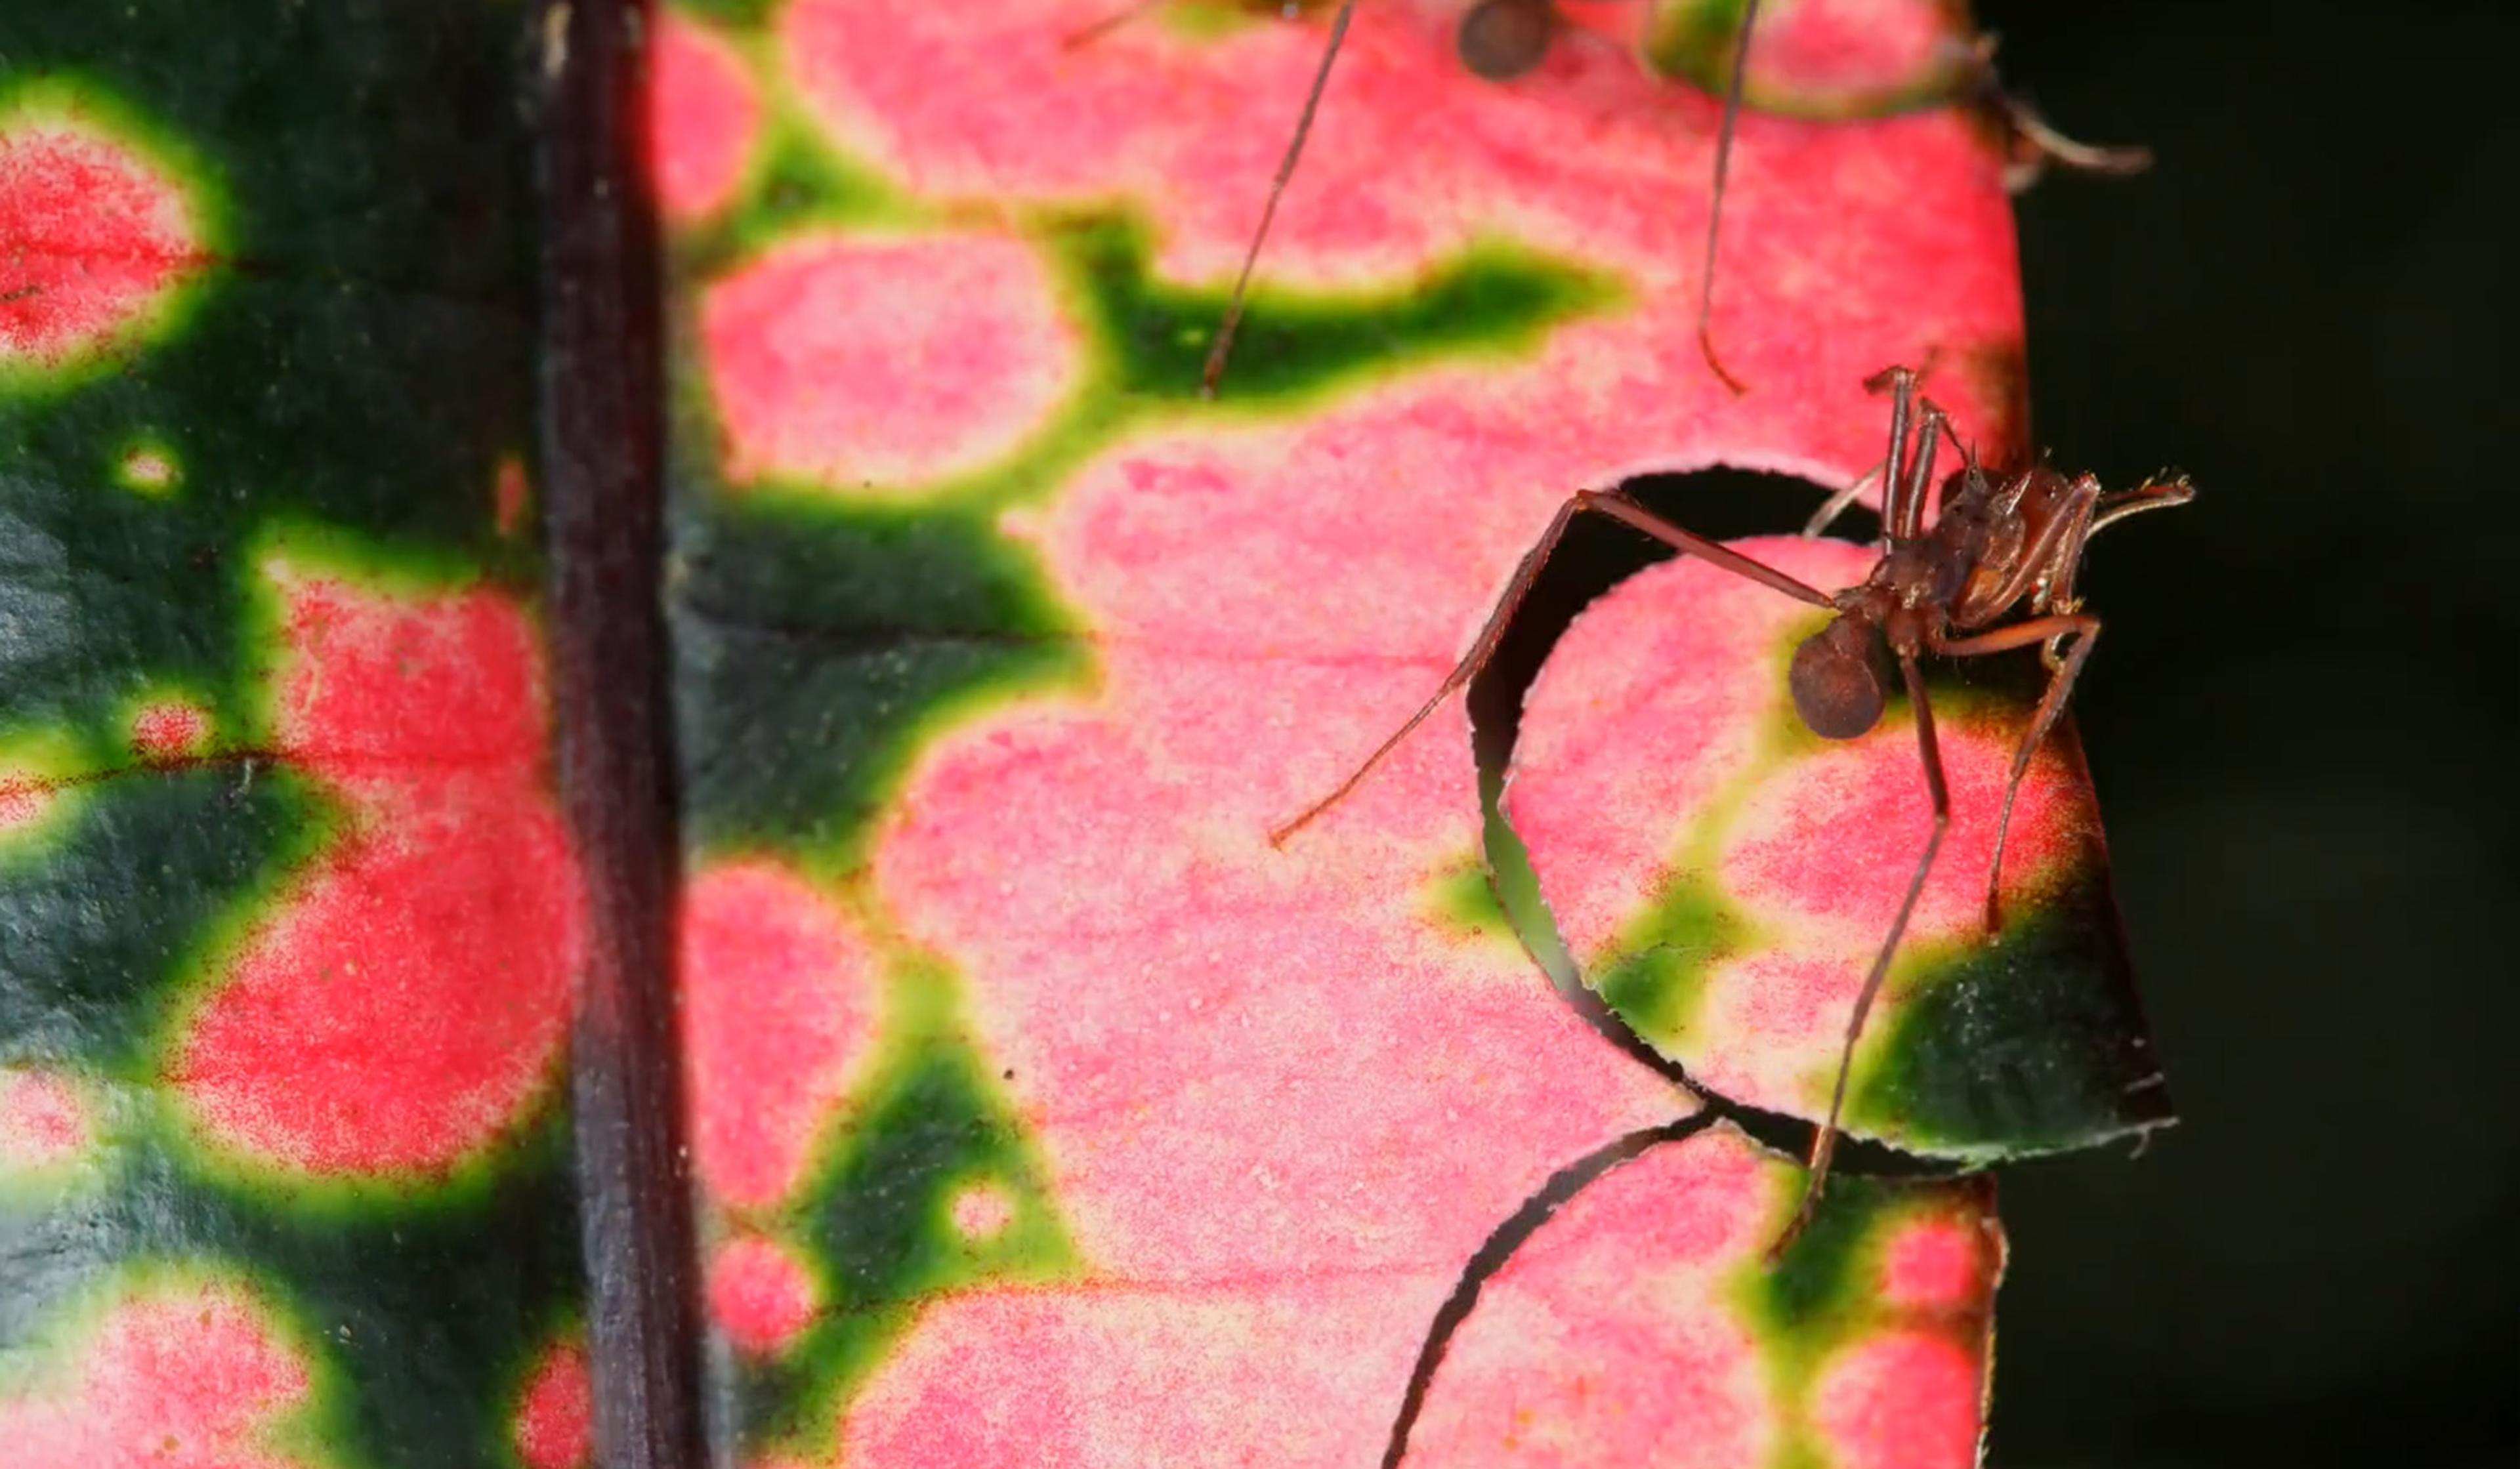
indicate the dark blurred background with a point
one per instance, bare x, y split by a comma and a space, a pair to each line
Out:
2311, 305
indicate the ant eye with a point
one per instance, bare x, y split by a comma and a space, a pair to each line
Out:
1503, 39
1836, 680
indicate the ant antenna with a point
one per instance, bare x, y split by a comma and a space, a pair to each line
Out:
1215, 371
1732, 95
2033, 143
2036, 145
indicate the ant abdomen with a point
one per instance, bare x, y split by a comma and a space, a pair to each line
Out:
1836, 678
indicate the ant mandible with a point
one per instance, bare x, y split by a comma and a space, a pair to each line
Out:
1999, 545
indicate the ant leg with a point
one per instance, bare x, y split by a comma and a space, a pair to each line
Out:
1825, 1146
1214, 372
1906, 499
1828, 514
2085, 631
1621, 508
1903, 498
1606, 501
1715, 202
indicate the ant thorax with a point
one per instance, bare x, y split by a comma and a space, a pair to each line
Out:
2002, 537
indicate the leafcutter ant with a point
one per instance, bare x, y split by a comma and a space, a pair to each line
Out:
1994, 572
1501, 40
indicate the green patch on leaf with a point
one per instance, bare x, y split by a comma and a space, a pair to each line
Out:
880, 1217
2028, 1044
122, 903
1660, 969
1800, 1299
799, 183
1466, 901
1824, 1293
420, 1307
1220, 20
1495, 299
729, 12
819, 646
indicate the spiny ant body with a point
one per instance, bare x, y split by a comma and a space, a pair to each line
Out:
1995, 572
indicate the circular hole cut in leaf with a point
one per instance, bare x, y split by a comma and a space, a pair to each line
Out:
1724, 879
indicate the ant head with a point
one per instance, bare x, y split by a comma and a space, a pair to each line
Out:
1836, 678
1504, 39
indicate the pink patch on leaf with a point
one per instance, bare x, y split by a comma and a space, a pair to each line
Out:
1611, 1337
150, 471
23, 800
880, 364
407, 999
92, 239
1191, 1019
174, 1379
43, 1120
760, 1294
981, 1212
1905, 1399
1657, 697
556, 1415
374, 684
1936, 1263
511, 494
1288, 1373
703, 117
171, 730
1768, 1029
1832, 841
1818, 49
779, 1008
